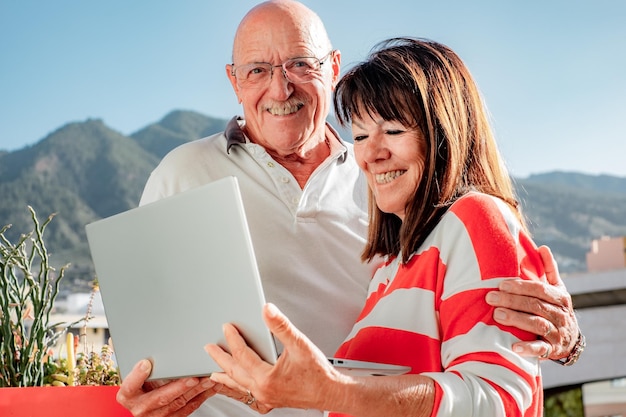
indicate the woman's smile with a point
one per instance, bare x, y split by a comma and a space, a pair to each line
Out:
388, 176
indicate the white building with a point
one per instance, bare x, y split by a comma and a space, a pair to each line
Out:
74, 310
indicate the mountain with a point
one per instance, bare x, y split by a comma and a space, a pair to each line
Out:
601, 183
85, 171
175, 129
82, 172
566, 211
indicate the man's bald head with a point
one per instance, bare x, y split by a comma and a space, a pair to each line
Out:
282, 20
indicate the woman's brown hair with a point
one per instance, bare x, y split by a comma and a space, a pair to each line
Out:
425, 85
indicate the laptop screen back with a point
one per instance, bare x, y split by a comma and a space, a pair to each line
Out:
172, 272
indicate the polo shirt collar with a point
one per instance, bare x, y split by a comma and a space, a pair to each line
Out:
234, 134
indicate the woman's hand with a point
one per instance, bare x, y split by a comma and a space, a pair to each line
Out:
299, 379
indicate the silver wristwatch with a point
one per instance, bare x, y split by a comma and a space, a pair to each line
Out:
575, 353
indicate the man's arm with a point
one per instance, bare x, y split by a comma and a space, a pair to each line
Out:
542, 308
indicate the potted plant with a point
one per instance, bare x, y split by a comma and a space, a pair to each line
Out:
30, 374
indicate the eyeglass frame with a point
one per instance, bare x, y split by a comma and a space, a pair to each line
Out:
282, 66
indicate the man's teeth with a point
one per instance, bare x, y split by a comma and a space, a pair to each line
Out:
388, 176
284, 110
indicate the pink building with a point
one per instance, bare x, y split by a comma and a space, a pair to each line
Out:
607, 253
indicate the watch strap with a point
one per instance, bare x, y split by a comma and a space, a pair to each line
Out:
573, 356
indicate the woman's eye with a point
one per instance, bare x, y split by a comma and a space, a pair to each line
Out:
359, 138
395, 132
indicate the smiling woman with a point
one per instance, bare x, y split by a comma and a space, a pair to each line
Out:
392, 157
403, 118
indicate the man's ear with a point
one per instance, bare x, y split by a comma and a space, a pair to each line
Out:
233, 80
335, 61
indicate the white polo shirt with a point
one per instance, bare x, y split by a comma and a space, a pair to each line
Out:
307, 241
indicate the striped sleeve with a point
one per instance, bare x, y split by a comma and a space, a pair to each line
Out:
481, 243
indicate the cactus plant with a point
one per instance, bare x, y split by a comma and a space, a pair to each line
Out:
29, 286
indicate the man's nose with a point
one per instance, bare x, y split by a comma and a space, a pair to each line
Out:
280, 85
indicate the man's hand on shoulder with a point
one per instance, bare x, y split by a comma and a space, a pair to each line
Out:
543, 308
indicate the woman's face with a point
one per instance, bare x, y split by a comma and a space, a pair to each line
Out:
392, 157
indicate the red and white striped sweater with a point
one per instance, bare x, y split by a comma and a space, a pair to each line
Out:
431, 313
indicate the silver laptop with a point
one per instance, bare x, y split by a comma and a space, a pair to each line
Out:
173, 271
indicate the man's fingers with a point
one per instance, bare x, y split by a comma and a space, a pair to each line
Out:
527, 322
523, 304
175, 398
205, 387
530, 289
132, 386
550, 266
137, 377
191, 400
549, 336
538, 348
535, 298
531, 297
193, 404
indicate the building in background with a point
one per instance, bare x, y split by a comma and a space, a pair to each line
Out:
607, 253
74, 309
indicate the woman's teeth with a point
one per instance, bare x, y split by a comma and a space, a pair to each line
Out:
388, 176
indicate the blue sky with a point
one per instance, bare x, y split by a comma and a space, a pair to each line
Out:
553, 73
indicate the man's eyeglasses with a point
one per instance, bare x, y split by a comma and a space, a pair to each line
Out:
296, 70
